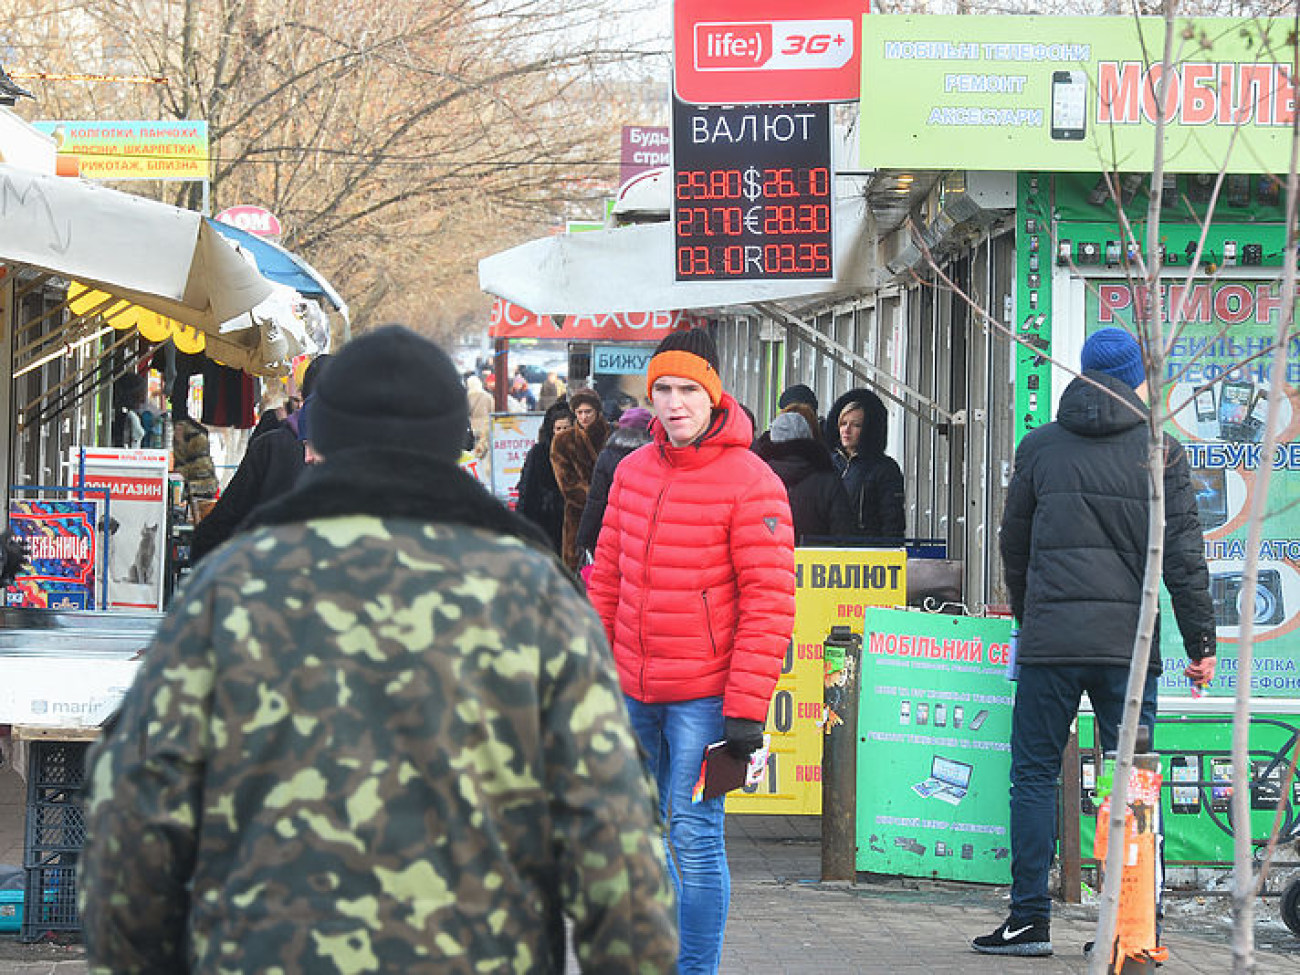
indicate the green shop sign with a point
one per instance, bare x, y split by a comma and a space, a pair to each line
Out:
934, 753
1074, 93
1220, 386
1196, 761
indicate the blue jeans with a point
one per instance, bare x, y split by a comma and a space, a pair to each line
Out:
1047, 699
674, 737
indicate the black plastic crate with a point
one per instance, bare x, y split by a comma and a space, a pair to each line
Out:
50, 898
54, 827
55, 764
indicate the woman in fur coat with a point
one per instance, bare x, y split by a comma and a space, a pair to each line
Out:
573, 458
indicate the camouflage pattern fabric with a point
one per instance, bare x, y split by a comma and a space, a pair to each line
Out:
365, 745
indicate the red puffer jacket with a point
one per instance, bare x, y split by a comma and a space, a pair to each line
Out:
694, 573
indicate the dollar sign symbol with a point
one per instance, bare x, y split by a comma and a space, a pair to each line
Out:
753, 184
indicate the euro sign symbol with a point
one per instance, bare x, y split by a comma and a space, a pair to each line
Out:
753, 184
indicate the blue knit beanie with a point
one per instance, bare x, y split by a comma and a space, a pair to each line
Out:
1116, 353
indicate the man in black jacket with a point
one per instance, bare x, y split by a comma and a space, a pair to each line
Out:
270, 468
1073, 540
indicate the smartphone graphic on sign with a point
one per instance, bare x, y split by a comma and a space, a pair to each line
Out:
1235, 400
1221, 784
1186, 798
1069, 105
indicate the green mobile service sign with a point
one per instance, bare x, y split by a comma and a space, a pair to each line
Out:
934, 752
1074, 94
1219, 381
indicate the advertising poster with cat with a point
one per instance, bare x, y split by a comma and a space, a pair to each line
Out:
62, 570
134, 528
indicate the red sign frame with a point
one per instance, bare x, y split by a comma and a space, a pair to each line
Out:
753, 52
511, 321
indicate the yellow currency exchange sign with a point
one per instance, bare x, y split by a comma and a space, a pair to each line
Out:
834, 587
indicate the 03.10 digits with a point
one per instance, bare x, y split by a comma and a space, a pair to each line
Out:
771, 220
756, 260
753, 184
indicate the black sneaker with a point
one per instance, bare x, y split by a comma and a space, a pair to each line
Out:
1032, 939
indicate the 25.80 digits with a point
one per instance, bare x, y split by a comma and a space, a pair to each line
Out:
753, 183
786, 218
734, 260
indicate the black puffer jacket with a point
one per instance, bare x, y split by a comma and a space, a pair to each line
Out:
1074, 534
817, 499
622, 441
872, 479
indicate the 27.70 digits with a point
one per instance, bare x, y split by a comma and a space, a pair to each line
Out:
779, 219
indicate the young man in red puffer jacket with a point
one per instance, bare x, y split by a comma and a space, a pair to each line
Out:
694, 581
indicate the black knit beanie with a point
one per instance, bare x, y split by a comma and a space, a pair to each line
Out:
798, 393
694, 340
390, 388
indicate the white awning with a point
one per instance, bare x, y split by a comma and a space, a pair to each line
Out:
157, 256
631, 269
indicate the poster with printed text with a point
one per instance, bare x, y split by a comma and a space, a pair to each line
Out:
511, 436
833, 587
934, 752
1220, 388
134, 520
63, 554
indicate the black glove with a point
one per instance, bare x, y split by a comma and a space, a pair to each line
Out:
744, 737
13, 548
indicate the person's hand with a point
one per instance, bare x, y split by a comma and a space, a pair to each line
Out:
744, 737
1200, 672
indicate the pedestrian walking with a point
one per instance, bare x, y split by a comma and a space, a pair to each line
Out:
694, 581
797, 393
872, 478
521, 399
379, 732
553, 389
573, 455
480, 405
818, 503
270, 468
540, 500
1074, 549
631, 431
192, 458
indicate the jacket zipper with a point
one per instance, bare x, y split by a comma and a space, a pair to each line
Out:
708, 621
649, 543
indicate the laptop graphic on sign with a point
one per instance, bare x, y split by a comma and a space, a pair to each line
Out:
949, 780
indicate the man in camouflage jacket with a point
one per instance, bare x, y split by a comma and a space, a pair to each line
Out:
379, 732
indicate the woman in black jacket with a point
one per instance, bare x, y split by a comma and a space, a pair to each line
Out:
540, 500
632, 431
858, 427
818, 503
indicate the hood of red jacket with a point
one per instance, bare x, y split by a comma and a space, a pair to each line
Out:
728, 427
